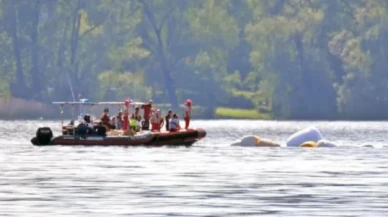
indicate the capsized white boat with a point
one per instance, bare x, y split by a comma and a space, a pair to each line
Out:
255, 141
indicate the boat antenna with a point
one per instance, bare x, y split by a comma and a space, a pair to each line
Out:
71, 86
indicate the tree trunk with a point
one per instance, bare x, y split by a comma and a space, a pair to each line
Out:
60, 60
168, 79
337, 67
19, 88
74, 40
306, 87
164, 63
36, 76
75, 34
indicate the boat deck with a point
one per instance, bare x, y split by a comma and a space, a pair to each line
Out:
120, 133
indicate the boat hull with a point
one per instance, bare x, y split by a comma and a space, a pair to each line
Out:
181, 138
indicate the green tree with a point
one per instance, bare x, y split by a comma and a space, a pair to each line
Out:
361, 47
282, 36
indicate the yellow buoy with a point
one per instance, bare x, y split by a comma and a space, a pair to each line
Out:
257, 139
309, 144
261, 142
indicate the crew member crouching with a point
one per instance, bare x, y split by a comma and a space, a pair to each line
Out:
174, 125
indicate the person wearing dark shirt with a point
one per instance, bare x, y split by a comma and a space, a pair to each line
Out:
105, 119
147, 114
168, 117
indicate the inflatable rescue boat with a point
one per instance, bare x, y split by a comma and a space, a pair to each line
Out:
100, 135
44, 136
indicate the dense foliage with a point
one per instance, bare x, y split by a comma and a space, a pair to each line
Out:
294, 58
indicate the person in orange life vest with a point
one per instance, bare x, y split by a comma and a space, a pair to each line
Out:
187, 113
174, 123
167, 118
125, 119
147, 114
156, 121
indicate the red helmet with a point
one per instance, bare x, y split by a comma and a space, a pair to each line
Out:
188, 102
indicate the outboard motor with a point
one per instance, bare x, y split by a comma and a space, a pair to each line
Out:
43, 136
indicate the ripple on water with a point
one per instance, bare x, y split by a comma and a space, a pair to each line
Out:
209, 179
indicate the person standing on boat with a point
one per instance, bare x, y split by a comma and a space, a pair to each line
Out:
147, 108
157, 121
174, 123
167, 118
187, 113
125, 119
126, 115
135, 119
153, 121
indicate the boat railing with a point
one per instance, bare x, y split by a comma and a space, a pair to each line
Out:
79, 116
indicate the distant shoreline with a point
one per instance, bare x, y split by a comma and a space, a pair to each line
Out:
18, 109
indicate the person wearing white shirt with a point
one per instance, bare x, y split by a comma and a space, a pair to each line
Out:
187, 113
174, 125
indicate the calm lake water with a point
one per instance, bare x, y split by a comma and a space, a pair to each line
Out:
209, 179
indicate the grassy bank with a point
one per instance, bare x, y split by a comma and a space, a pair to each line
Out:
220, 113
233, 113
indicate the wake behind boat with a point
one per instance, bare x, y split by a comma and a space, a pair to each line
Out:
100, 134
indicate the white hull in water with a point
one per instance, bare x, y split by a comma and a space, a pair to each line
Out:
309, 137
325, 144
311, 134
